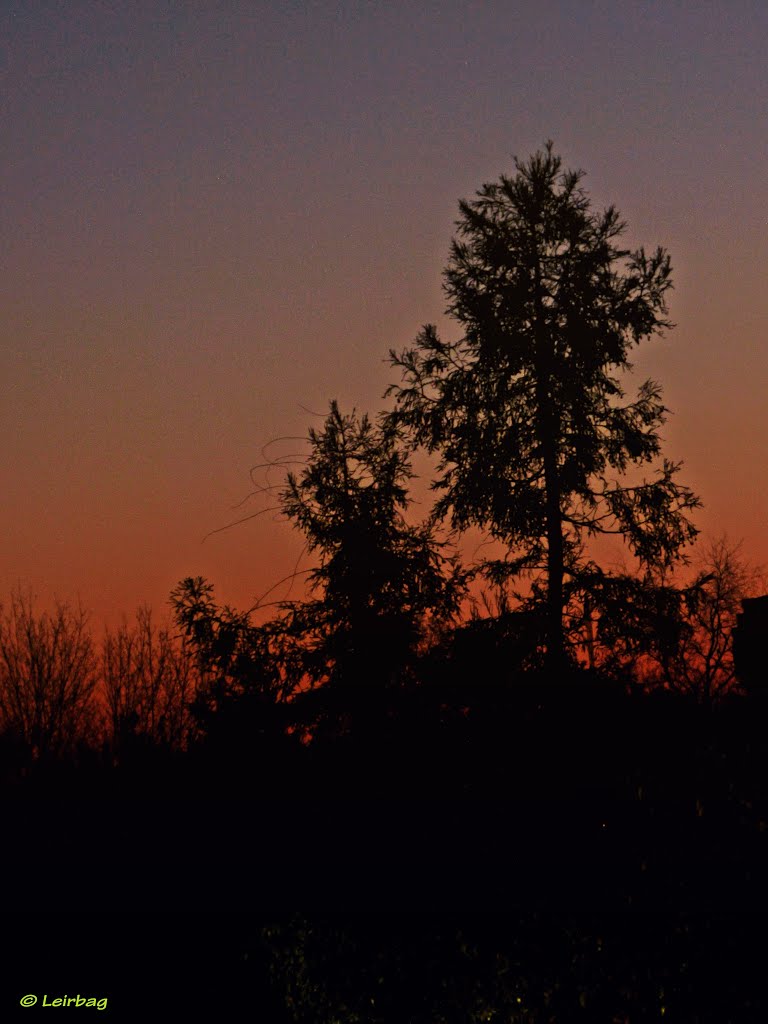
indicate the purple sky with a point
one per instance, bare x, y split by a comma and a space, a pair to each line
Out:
213, 214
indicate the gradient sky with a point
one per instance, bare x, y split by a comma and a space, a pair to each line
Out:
216, 216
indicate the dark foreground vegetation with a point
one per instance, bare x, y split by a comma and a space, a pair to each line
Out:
533, 853
515, 968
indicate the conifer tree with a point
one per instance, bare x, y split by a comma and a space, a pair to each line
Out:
378, 579
537, 440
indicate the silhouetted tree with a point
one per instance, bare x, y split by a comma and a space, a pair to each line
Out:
47, 675
149, 684
246, 672
628, 624
379, 581
526, 410
701, 662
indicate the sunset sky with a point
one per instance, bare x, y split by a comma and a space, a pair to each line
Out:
215, 217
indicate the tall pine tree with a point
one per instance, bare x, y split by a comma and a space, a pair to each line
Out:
537, 441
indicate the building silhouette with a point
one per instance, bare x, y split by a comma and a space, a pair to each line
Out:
749, 644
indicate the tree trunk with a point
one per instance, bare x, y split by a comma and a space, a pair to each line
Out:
548, 436
555, 566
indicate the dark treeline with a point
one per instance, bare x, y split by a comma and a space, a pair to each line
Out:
532, 732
